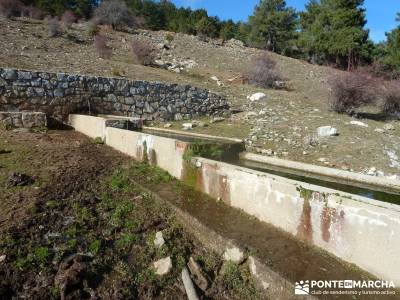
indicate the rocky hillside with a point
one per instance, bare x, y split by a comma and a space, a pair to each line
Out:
283, 123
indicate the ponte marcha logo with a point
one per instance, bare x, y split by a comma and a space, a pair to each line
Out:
302, 287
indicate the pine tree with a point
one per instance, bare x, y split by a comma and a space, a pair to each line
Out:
227, 30
334, 30
392, 57
273, 26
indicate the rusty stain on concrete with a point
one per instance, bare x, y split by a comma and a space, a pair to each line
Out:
304, 230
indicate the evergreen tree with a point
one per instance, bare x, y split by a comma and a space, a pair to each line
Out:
273, 26
227, 30
392, 49
207, 27
334, 30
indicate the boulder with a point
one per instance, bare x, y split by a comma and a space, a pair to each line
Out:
159, 240
188, 126
233, 254
325, 131
163, 266
256, 97
358, 123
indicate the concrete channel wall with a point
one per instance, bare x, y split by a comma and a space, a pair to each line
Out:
356, 229
164, 152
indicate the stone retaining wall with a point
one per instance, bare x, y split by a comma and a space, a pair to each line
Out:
60, 94
22, 119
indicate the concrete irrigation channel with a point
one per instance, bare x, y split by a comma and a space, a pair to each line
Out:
308, 222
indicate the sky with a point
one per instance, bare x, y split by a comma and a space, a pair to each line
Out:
381, 14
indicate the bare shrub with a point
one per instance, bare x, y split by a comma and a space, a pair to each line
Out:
143, 53
390, 104
114, 13
68, 18
54, 27
11, 8
350, 91
92, 29
383, 71
33, 12
102, 49
262, 71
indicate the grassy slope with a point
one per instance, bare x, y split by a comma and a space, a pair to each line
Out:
291, 116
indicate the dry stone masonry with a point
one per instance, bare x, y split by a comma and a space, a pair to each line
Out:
22, 119
59, 94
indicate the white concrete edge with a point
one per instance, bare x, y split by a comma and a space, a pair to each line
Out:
324, 171
346, 196
192, 134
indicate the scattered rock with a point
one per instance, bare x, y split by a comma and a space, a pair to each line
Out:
234, 43
394, 159
168, 125
325, 131
219, 82
2, 258
322, 159
189, 287
187, 126
233, 254
311, 141
18, 179
372, 172
358, 123
199, 124
388, 127
163, 266
256, 97
268, 152
279, 84
217, 120
159, 240
379, 130
197, 274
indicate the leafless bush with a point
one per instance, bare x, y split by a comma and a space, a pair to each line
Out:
391, 99
350, 91
262, 71
143, 52
102, 49
114, 13
33, 12
54, 27
68, 18
92, 29
383, 71
11, 8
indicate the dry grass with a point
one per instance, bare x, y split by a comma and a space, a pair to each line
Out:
305, 107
